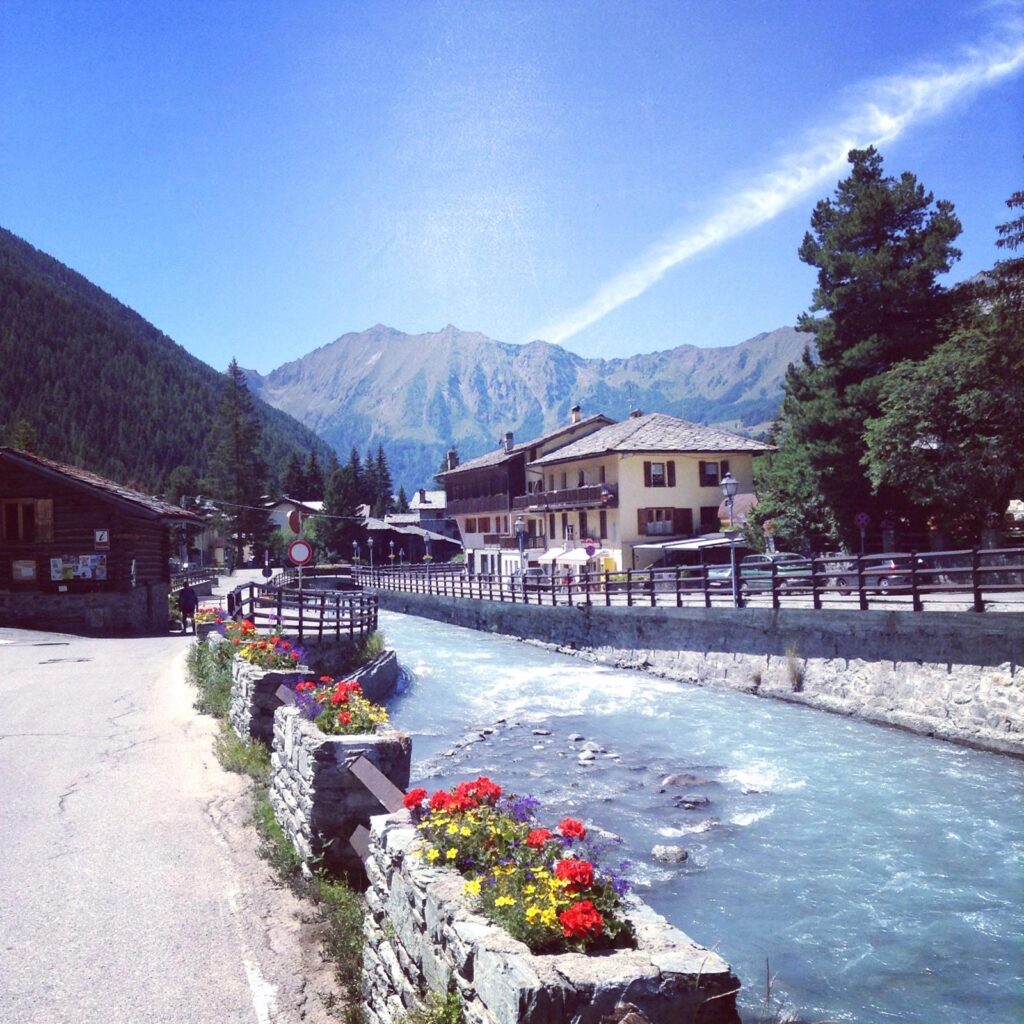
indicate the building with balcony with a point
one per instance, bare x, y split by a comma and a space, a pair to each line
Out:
611, 500
481, 492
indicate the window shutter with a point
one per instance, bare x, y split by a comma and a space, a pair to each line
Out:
682, 520
702, 472
44, 520
647, 474
671, 471
641, 521
725, 467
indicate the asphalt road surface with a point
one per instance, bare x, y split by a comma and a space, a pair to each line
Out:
130, 890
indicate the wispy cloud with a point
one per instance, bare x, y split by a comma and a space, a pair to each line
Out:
885, 111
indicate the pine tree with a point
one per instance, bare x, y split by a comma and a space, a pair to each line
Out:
340, 526
384, 500
314, 478
879, 246
23, 437
238, 469
403, 501
295, 483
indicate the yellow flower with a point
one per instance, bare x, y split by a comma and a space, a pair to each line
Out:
432, 854
452, 829
466, 830
530, 889
452, 853
504, 901
473, 887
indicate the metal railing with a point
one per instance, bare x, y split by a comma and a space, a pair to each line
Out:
587, 496
193, 576
967, 580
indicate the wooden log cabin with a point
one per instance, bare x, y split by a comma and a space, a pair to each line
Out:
80, 553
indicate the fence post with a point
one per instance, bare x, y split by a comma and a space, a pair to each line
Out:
337, 616
629, 588
679, 586
300, 614
607, 589
323, 610
862, 593
775, 585
915, 593
815, 590
979, 604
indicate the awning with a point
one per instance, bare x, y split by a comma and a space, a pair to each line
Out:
548, 556
576, 556
694, 544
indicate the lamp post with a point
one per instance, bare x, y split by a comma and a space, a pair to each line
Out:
521, 537
355, 552
369, 541
730, 485
391, 556
401, 556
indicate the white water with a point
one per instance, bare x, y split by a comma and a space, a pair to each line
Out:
882, 874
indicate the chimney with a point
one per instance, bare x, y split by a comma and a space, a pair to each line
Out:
575, 415
508, 440
635, 414
423, 495
452, 458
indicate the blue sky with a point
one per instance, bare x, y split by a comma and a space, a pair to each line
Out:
259, 178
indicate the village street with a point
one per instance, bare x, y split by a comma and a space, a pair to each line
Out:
130, 890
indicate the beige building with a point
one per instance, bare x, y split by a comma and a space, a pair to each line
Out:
602, 502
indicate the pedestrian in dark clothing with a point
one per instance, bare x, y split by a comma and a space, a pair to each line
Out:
188, 602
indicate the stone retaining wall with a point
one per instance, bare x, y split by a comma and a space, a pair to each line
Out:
421, 933
955, 675
254, 698
316, 799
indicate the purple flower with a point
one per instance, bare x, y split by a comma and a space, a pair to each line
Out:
521, 808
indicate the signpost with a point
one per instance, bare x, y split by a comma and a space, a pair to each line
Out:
863, 521
300, 553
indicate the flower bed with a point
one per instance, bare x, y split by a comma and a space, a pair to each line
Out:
423, 929
546, 888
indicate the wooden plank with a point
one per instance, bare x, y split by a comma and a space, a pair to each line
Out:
285, 695
389, 795
360, 842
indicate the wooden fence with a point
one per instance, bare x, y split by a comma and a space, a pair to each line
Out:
308, 614
971, 579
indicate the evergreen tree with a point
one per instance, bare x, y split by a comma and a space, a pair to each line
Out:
314, 478
295, 483
1008, 292
340, 526
238, 470
384, 499
403, 501
878, 246
23, 436
182, 483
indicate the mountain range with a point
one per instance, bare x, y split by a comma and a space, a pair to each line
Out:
419, 394
103, 388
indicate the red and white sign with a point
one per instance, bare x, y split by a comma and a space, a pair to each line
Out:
295, 520
300, 552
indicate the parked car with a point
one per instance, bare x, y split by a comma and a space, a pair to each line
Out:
883, 573
755, 571
534, 578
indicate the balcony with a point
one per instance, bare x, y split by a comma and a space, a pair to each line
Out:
510, 542
591, 496
473, 506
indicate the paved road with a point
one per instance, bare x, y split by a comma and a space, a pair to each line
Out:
129, 886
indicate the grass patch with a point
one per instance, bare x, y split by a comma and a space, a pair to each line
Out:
362, 652
209, 671
275, 846
440, 1009
235, 755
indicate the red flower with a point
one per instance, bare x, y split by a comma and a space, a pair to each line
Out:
538, 837
413, 798
345, 718
572, 829
326, 680
306, 685
441, 801
294, 655
579, 873
582, 920
339, 697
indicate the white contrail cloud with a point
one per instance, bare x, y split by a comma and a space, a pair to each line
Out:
891, 106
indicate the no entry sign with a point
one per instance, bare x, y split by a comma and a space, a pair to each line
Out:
300, 552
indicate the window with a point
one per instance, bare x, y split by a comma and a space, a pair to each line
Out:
551, 525
583, 526
470, 526
581, 479
484, 524
709, 521
660, 474
603, 524
652, 522
565, 481
711, 473
551, 481
600, 474
26, 520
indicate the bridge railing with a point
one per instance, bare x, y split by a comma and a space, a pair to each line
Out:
191, 577
976, 579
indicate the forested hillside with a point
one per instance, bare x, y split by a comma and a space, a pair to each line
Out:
103, 388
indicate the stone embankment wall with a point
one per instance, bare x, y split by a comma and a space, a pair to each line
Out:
316, 799
955, 675
254, 698
421, 933
119, 613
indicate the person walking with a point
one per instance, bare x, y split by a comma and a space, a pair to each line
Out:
188, 601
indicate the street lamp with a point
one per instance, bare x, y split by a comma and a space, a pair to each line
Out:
730, 485
369, 541
355, 552
521, 537
401, 556
392, 554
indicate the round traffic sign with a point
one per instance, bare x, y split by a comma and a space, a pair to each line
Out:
863, 520
295, 521
300, 552
590, 549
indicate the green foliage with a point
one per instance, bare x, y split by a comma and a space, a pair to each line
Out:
22, 436
238, 470
275, 846
951, 430
342, 911
293, 482
340, 526
403, 501
439, 1009
878, 246
102, 387
314, 478
241, 757
209, 670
